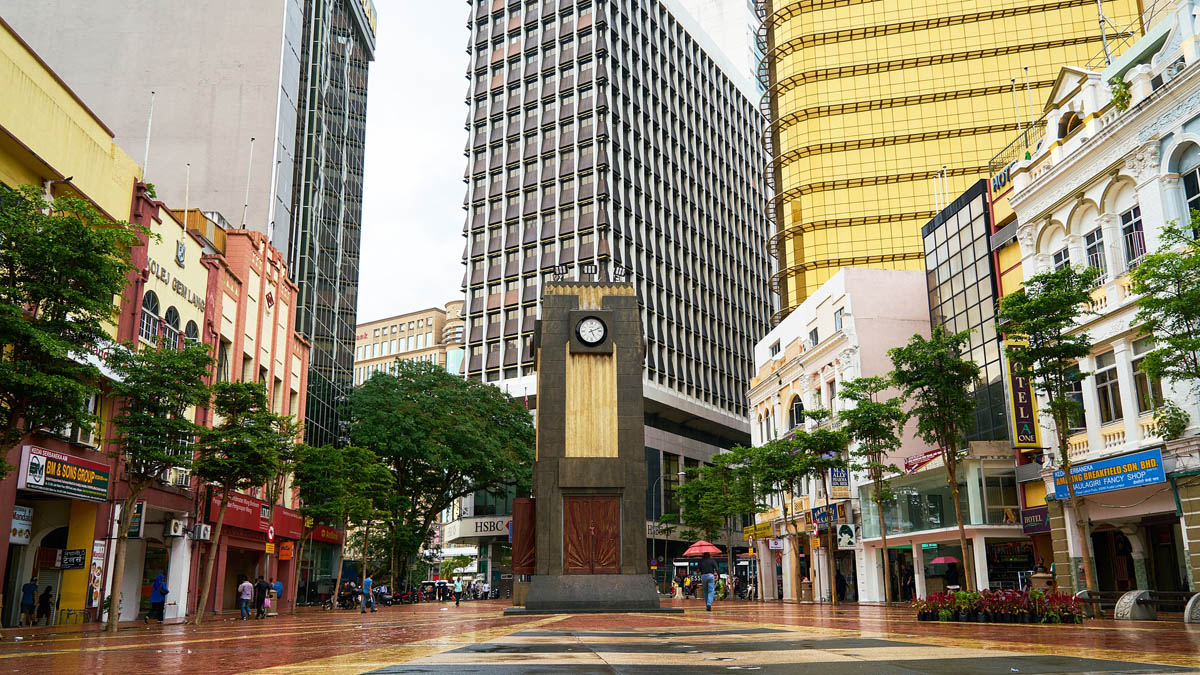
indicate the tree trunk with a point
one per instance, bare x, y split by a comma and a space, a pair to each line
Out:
830, 524
887, 573
212, 557
952, 479
729, 553
366, 541
118, 575
337, 585
299, 563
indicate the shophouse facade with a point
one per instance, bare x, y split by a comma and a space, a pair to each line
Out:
1097, 188
840, 332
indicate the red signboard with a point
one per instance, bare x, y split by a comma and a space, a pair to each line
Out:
912, 464
249, 513
328, 534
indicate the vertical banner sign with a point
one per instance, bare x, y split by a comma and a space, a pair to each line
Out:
839, 483
96, 573
137, 521
1022, 406
22, 525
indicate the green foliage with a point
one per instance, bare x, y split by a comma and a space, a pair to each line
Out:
1120, 93
874, 422
320, 478
242, 451
716, 494
157, 387
1168, 285
61, 264
1045, 315
1170, 421
939, 382
454, 566
440, 437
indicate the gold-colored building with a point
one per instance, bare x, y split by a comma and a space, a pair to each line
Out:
870, 99
434, 335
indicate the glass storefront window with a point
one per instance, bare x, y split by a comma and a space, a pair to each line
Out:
987, 493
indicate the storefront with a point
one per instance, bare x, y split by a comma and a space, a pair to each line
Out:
157, 543
492, 538
319, 565
251, 539
56, 519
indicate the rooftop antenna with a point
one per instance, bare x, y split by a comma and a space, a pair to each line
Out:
249, 165
149, 125
945, 186
187, 194
1103, 34
1028, 98
937, 192
1017, 109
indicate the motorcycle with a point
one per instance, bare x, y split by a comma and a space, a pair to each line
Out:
382, 597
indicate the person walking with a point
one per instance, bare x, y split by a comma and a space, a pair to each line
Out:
245, 595
158, 598
840, 586
368, 598
457, 591
29, 596
277, 586
45, 605
260, 598
708, 575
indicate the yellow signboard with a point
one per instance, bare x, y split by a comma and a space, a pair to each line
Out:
270, 548
758, 531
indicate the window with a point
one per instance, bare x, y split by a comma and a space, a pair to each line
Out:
171, 328
1075, 393
1149, 392
795, 413
1061, 259
837, 319
223, 362
831, 387
775, 348
1108, 390
1093, 243
670, 481
813, 338
148, 329
192, 332
1132, 236
1191, 180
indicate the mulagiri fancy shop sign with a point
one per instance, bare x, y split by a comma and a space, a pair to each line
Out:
1117, 473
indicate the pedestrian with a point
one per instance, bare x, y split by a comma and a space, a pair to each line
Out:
687, 587
457, 591
260, 598
839, 582
245, 595
367, 597
158, 598
45, 604
487, 590
29, 593
277, 586
708, 574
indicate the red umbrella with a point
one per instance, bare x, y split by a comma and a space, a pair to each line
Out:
700, 548
943, 560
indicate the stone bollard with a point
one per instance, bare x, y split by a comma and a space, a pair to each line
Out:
1128, 607
1191, 613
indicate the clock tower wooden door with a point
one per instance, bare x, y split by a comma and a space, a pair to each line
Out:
592, 535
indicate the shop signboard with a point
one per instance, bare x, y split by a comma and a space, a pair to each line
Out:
325, 533
820, 515
249, 513
775, 544
1022, 404
845, 536
286, 550
22, 525
839, 483
96, 572
137, 521
1035, 520
270, 548
58, 473
73, 559
757, 531
914, 463
1117, 473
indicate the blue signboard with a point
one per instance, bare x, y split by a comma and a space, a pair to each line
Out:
839, 483
1118, 473
821, 514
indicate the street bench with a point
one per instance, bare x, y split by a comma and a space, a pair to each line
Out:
1143, 605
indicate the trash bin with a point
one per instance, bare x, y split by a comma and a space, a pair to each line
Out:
806, 591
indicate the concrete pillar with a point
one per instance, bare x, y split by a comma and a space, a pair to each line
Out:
975, 513
177, 578
1133, 431
979, 557
1137, 550
1091, 404
218, 579
1059, 542
1189, 501
919, 571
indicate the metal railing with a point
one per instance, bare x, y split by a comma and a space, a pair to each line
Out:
1027, 143
1135, 248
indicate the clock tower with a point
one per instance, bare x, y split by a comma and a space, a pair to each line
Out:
586, 539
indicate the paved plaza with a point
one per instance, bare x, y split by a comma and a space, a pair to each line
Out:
477, 638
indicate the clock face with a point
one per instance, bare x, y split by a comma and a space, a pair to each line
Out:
591, 331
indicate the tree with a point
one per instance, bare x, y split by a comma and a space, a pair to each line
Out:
441, 437
156, 387
1168, 285
287, 434
239, 453
781, 468
320, 479
874, 423
940, 383
824, 448
61, 263
1045, 316
452, 566
715, 495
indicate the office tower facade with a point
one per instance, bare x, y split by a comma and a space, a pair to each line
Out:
291, 74
432, 335
733, 25
868, 103
610, 140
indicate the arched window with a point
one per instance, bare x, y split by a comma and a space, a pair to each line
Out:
192, 332
795, 413
171, 328
1189, 170
1068, 124
148, 328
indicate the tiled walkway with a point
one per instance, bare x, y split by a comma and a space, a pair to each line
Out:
476, 638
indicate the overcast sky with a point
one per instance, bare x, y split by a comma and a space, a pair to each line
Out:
412, 197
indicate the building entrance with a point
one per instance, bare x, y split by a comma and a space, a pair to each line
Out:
591, 535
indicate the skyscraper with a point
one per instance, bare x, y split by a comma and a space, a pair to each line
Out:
290, 74
612, 141
869, 101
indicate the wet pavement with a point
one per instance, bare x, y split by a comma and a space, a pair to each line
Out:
477, 638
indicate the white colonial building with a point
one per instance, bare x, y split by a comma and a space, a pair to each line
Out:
1095, 190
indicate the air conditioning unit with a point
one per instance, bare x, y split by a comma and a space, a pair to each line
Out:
202, 532
175, 528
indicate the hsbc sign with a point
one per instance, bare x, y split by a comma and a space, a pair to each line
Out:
483, 527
